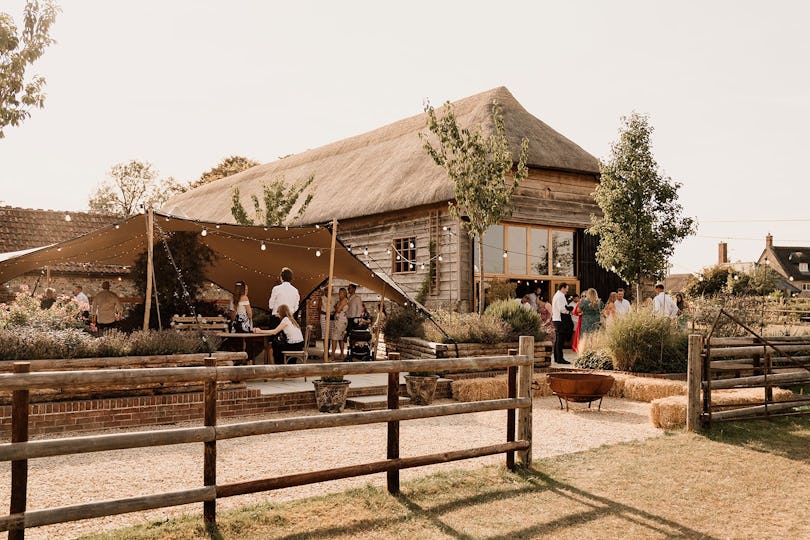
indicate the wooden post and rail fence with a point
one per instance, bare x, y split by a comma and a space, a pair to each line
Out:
20, 449
745, 362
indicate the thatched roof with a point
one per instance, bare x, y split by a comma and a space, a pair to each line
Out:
386, 169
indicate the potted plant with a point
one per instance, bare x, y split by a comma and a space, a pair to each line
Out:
330, 393
421, 386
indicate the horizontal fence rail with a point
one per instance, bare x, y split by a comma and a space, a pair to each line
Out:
746, 362
519, 437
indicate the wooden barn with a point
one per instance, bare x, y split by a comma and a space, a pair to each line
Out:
391, 202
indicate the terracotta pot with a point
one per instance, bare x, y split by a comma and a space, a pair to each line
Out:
421, 388
331, 396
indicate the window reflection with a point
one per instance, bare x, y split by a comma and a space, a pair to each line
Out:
538, 251
493, 250
517, 250
562, 253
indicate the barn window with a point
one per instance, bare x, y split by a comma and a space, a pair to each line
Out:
404, 255
803, 267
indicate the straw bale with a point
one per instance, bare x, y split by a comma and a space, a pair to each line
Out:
484, 388
670, 412
648, 389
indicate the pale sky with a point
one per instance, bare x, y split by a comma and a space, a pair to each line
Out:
185, 83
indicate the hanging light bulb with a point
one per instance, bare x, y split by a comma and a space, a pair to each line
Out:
504, 254
264, 248
440, 258
365, 251
217, 225
412, 266
349, 248
117, 226
204, 232
398, 257
59, 249
388, 251
410, 245
318, 253
67, 217
317, 226
423, 266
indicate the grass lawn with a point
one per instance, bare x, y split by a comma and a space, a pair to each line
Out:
742, 480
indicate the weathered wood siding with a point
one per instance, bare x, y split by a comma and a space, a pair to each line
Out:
555, 198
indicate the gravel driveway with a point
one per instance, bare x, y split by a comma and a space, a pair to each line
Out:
127, 473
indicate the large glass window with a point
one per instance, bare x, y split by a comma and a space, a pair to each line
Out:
516, 254
529, 251
493, 250
562, 253
538, 251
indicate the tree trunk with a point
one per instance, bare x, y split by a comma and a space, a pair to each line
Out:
481, 274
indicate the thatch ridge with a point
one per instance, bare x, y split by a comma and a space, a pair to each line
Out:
385, 169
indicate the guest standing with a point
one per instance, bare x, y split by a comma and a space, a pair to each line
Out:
106, 310
240, 312
591, 311
558, 305
283, 294
610, 308
337, 331
663, 305
622, 304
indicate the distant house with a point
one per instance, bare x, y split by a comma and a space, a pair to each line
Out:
792, 262
391, 201
26, 228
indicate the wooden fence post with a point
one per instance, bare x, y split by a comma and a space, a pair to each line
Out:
392, 451
511, 393
210, 447
694, 378
524, 389
19, 468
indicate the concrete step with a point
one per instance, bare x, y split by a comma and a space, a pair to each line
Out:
370, 403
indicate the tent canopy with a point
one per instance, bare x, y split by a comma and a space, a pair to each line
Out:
238, 248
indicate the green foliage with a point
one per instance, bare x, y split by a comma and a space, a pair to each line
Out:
404, 321
468, 328
191, 257
33, 344
721, 279
19, 49
522, 321
24, 311
129, 186
594, 352
709, 282
641, 219
227, 167
278, 201
479, 168
500, 289
644, 343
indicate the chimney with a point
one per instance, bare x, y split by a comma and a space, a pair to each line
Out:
768, 241
722, 253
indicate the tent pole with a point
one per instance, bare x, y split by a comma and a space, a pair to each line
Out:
149, 268
329, 292
47, 276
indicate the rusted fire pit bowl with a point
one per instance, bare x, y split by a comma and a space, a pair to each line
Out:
579, 387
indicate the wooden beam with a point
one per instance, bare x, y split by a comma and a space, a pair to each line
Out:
758, 410
524, 391
150, 235
694, 376
329, 292
210, 447
749, 351
255, 486
760, 380
392, 446
19, 468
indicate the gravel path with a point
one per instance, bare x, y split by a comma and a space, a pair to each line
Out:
128, 473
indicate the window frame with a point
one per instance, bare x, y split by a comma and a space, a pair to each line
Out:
407, 255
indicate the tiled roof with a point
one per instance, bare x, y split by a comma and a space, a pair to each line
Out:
25, 228
790, 258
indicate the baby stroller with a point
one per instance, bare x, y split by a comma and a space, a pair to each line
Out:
359, 344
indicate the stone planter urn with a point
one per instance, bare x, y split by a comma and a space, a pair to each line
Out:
421, 388
330, 396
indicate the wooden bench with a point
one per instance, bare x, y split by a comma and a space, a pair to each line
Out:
206, 324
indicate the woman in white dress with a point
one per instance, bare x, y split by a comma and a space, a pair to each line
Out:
337, 330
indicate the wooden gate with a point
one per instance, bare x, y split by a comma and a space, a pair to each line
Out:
753, 361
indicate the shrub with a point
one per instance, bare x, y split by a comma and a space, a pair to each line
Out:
24, 311
32, 344
522, 321
467, 328
168, 342
642, 342
404, 321
594, 352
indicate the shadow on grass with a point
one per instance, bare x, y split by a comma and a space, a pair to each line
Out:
598, 507
534, 482
785, 436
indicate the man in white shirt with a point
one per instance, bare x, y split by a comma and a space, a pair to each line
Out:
558, 305
622, 304
283, 294
663, 305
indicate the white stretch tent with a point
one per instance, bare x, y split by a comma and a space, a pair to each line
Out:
238, 248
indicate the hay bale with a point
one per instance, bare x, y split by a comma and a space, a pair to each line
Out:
670, 412
484, 388
648, 389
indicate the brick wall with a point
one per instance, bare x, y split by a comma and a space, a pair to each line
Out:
87, 415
